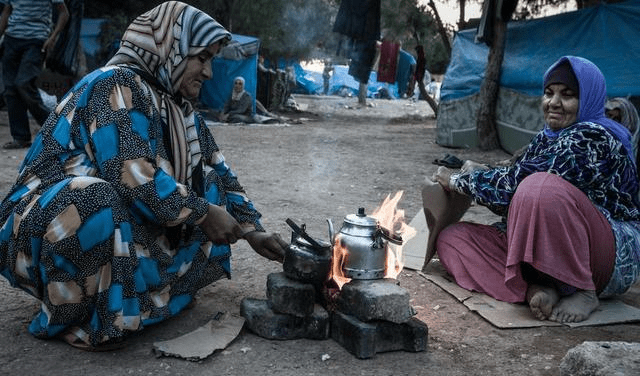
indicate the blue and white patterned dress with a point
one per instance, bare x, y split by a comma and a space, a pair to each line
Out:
99, 226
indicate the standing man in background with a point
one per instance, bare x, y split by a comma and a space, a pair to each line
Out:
27, 28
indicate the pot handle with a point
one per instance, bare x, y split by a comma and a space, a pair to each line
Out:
393, 238
331, 232
301, 231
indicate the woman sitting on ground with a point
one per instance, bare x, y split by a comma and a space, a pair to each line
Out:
124, 206
624, 112
572, 232
239, 107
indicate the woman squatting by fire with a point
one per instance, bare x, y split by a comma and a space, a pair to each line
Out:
124, 206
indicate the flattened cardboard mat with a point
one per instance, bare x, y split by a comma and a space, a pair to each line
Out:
500, 314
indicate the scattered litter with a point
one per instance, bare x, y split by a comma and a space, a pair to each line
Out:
204, 341
436, 307
245, 350
325, 357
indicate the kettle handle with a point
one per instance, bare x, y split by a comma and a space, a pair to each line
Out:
393, 238
301, 231
331, 232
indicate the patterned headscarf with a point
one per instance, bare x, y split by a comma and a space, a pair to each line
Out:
593, 95
159, 43
628, 113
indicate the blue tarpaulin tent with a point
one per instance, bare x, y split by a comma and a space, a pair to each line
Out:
238, 58
606, 34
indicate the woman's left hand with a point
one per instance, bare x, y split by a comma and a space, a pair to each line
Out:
271, 246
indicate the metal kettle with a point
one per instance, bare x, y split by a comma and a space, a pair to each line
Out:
366, 244
306, 259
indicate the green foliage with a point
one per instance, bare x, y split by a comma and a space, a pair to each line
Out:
411, 23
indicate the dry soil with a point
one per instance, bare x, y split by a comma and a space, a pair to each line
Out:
325, 162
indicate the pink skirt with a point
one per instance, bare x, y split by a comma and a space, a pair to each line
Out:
551, 226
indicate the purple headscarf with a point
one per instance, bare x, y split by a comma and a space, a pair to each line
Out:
593, 95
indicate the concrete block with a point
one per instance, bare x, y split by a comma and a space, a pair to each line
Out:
378, 299
357, 337
263, 321
410, 336
286, 295
365, 339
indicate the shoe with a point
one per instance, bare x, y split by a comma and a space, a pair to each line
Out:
450, 161
16, 145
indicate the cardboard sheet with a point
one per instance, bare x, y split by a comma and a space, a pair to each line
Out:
414, 250
204, 341
507, 315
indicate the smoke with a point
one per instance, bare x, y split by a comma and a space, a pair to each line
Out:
305, 23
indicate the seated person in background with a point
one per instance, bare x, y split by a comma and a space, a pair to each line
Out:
572, 231
624, 112
238, 108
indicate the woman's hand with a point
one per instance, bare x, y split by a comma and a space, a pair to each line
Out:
267, 245
220, 226
470, 166
442, 176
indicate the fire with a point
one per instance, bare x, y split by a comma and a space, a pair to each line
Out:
340, 255
391, 218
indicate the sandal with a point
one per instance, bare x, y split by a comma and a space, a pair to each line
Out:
450, 161
110, 345
16, 145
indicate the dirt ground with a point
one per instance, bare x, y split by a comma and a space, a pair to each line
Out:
332, 160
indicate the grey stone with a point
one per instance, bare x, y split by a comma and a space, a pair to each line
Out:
410, 336
365, 339
286, 295
357, 337
263, 321
602, 358
378, 299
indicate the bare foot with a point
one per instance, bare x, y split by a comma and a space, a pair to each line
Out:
576, 307
541, 300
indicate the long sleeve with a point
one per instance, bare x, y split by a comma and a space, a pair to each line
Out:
229, 191
585, 155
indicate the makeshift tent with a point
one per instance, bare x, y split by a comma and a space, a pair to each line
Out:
238, 58
90, 40
606, 34
343, 84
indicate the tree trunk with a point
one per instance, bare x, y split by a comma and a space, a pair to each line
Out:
461, 21
486, 115
442, 31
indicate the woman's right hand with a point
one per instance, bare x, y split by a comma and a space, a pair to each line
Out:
220, 226
470, 166
442, 176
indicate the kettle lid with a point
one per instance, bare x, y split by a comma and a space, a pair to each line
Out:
361, 219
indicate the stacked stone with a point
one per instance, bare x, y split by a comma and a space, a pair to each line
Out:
375, 316
290, 311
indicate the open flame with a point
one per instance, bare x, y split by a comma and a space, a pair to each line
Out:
391, 218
